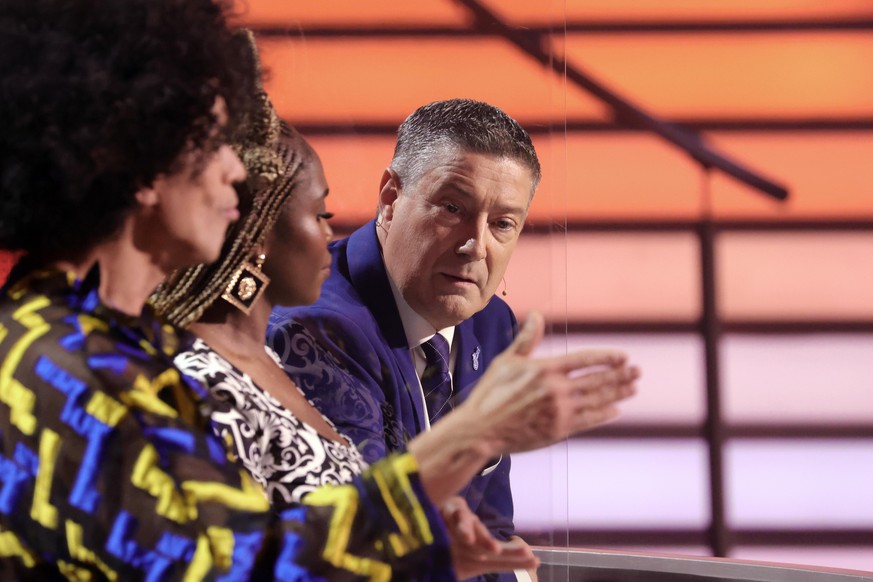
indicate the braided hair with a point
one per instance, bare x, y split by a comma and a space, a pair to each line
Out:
273, 154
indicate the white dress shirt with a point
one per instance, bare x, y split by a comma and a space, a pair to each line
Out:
418, 331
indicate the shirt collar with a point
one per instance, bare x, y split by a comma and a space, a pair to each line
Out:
416, 328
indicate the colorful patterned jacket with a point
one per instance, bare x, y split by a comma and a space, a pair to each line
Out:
109, 468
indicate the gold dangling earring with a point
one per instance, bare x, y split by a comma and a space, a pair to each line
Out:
504, 287
247, 285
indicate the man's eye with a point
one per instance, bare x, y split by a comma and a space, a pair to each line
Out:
504, 224
325, 215
453, 208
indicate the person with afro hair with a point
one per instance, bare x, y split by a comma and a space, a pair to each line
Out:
115, 170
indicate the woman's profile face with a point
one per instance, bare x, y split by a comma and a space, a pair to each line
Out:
196, 204
298, 261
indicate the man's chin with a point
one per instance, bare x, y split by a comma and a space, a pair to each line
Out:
450, 310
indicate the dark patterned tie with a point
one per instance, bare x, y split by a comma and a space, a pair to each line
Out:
435, 380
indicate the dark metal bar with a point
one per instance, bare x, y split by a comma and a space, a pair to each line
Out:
640, 327
799, 327
545, 127
825, 225
381, 32
800, 431
535, 46
787, 26
534, 228
642, 432
713, 428
775, 125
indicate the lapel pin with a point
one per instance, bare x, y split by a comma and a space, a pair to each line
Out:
476, 358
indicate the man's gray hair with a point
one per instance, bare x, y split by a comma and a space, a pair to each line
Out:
471, 126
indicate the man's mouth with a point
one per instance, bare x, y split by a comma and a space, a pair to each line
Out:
459, 279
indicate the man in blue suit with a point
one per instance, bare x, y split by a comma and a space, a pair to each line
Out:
452, 205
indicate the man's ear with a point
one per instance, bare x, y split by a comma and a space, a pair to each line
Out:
389, 191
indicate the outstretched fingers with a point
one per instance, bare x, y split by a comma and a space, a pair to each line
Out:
605, 382
590, 418
593, 396
581, 359
529, 336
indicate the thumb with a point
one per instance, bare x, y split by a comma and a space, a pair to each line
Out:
529, 336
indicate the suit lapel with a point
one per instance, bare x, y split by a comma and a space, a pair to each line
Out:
470, 361
367, 273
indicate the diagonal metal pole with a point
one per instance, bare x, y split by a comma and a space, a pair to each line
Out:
533, 44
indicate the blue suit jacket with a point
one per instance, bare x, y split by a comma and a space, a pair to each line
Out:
357, 321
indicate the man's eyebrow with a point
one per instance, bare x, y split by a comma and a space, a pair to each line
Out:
451, 184
516, 210
456, 187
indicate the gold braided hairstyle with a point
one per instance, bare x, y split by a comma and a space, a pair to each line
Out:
272, 165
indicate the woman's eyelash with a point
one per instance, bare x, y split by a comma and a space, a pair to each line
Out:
325, 215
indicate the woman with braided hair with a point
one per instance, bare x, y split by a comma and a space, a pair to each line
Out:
276, 255
116, 170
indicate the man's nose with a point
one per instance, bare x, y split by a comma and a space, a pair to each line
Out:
474, 245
